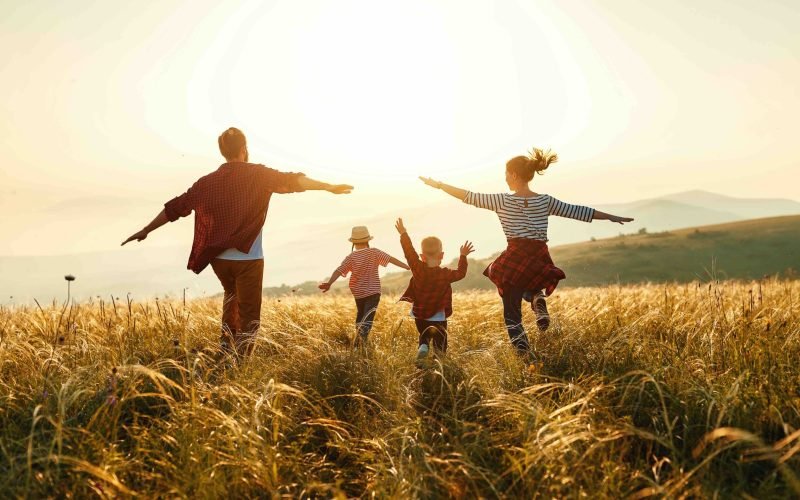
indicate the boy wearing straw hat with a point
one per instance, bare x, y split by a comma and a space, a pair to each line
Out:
365, 284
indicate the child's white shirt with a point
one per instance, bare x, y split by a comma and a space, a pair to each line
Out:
439, 316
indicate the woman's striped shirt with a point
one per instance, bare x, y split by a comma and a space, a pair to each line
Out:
523, 217
364, 265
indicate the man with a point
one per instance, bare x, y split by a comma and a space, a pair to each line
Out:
230, 206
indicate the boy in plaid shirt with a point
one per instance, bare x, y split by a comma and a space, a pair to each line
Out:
429, 290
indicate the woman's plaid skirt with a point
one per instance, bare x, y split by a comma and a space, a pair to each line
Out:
525, 265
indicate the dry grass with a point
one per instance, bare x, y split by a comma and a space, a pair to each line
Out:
678, 391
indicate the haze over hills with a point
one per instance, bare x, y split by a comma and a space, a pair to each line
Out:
688, 209
298, 247
750, 208
748, 249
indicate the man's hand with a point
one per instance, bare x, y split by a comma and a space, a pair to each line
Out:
324, 287
139, 236
339, 188
620, 220
399, 226
466, 248
430, 182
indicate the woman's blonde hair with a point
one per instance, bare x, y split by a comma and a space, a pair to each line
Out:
537, 161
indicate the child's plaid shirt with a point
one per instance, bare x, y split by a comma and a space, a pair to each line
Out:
429, 290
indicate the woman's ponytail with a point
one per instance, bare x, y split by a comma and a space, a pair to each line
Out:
537, 161
541, 159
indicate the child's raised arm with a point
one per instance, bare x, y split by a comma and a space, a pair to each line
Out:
408, 248
458, 274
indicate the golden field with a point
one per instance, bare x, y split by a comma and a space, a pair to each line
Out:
645, 391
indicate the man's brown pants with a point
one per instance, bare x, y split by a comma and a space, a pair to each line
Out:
242, 281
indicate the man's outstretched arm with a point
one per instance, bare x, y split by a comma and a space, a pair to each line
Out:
156, 223
178, 207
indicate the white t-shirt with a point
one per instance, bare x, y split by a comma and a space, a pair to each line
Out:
256, 251
439, 316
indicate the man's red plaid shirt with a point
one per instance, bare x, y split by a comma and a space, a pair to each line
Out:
429, 290
230, 207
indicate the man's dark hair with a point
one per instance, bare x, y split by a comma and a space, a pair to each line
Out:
231, 143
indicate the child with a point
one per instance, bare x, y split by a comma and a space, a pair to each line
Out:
365, 284
429, 290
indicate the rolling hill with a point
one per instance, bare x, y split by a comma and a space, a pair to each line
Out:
294, 237
739, 250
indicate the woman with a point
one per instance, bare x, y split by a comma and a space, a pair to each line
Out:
525, 270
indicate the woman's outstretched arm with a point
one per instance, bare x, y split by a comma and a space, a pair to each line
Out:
598, 215
451, 190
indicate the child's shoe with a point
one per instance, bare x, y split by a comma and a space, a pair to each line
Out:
422, 355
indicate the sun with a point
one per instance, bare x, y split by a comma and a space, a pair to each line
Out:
357, 91
374, 89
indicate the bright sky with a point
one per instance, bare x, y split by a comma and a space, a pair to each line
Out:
116, 102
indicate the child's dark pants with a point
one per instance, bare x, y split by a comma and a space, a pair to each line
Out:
366, 307
433, 333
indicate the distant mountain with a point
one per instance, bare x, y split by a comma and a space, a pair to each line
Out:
660, 215
744, 208
301, 246
742, 250
674, 211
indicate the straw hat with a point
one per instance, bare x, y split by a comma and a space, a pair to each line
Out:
360, 234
